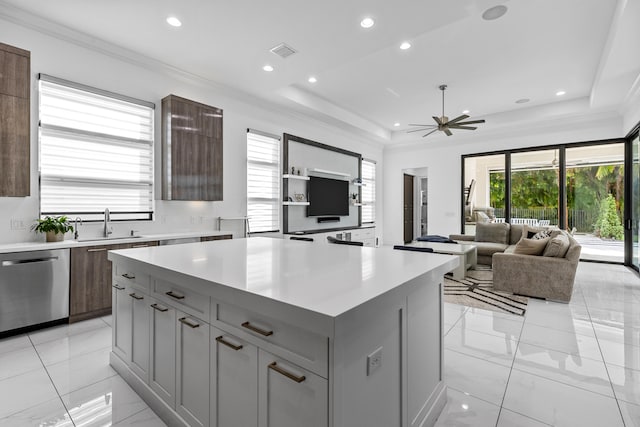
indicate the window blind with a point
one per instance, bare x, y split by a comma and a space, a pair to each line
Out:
263, 181
368, 191
96, 152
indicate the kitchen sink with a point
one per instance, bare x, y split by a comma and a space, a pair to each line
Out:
102, 239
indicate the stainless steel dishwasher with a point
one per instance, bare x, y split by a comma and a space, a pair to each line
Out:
34, 288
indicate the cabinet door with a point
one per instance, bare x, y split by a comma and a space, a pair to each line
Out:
90, 287
15, 143
192, 370
121, 331
140, 340
290, 396
162, 360
234, 385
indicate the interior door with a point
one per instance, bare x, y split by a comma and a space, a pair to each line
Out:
408, 208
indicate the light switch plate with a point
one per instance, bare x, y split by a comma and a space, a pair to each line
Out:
374, 361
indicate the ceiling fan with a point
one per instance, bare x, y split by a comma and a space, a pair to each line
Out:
444, 124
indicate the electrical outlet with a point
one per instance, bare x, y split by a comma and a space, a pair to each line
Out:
18, 224
374, 361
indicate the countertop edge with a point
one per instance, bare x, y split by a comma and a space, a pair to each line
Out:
44, 246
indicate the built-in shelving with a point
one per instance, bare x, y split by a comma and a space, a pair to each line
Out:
295, 203
301, 177
328, 172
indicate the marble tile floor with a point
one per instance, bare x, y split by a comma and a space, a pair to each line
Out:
61, 377
574, 364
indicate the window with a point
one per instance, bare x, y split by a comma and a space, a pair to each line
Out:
96, 152
263, 181
368, 191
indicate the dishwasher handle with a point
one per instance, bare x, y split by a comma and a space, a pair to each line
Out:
10, 262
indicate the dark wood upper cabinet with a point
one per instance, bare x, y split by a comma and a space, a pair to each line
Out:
15, 83
191, 150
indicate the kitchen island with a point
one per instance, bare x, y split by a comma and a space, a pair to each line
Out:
277, 333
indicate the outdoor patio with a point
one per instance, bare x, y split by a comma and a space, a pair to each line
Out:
597, 249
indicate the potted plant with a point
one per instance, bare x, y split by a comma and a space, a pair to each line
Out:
53, 227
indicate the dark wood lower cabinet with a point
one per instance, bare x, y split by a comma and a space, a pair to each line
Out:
210, 238
90, 281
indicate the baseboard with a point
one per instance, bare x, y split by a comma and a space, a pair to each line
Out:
157, 405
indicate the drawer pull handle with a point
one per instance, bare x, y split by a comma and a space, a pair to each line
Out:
256, 329
97, 250
128, 276
161, 309
140, 246
174, 295
221, 340
287, 374
118, 287
135, 296
188, 322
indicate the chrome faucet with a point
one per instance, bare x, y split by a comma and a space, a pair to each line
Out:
76, 233
107, 228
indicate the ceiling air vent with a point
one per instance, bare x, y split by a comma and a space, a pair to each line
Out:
283, 51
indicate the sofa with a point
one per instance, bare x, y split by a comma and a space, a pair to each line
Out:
491, 238
549, 274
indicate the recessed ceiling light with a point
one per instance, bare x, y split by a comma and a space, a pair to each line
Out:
173, 21
268, 68
465, 112
312, 79
367, 23
494, 12
560, 93
522, 100
405, 45
396, 124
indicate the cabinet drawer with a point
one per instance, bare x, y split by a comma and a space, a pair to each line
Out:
305, 348
130, 277
184, 299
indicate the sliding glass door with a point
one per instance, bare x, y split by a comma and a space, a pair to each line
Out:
595, 200
534, 187
578, 187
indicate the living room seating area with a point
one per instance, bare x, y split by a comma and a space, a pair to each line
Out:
534, 261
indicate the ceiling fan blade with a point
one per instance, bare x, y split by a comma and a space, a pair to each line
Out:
427, 134
463, 127
421, 129
457, 119
437, 119
415, 124
471, 122
447, 131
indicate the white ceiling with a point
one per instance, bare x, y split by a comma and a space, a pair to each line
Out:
586, 47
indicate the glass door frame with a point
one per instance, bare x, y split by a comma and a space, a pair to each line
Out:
629, 195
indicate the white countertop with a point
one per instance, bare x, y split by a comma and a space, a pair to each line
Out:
327, 279
40, 246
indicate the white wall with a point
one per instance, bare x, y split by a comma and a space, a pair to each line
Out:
96, 64
442, 157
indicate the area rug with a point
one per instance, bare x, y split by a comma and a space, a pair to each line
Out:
476, 290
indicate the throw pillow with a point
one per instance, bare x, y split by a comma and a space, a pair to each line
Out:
557, 246
530, 246
539, 235
492, 232
528, 232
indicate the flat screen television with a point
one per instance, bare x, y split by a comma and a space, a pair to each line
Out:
328, 197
